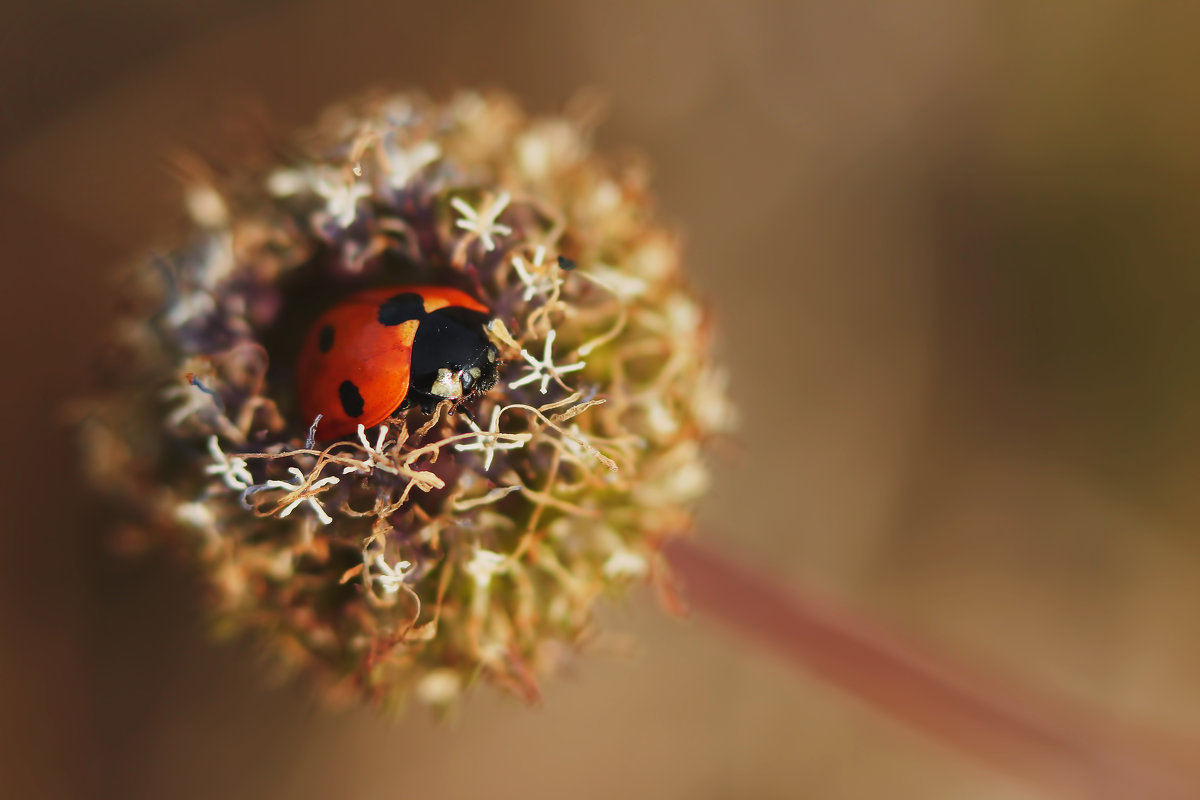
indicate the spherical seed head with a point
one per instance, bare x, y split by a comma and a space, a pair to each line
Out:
439, 546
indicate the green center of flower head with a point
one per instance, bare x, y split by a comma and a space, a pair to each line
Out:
465, 540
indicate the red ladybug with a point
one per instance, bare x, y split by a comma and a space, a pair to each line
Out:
366, 356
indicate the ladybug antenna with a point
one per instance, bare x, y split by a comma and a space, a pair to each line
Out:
461, 408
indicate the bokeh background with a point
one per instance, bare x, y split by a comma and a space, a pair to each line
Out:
954, 247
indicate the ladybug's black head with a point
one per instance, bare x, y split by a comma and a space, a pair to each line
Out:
452, 356
454, 382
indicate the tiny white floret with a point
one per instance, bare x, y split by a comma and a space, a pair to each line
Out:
232, 470
389, 576
534, 275
195, 515
482, 222
405, 162
545, 369
625, 564
306, 496
341, 196
488, 442
439, 687
483, 565
375, 454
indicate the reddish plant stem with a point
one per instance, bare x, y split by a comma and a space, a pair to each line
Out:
1037, 739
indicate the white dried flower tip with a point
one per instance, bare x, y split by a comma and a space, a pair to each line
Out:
305, 492
403, 164
544, 369
375, 455
482, 223
196, 515
538, 278
483, 565
626, 564
489, 441
440, 687
341, 196
233, 471
390, 577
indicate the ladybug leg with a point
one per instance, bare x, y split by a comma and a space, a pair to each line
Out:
461, 408
426, 402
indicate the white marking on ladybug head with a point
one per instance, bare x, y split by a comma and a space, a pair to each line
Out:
448, 384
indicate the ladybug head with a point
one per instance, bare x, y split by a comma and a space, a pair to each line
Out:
477, 375
452, 357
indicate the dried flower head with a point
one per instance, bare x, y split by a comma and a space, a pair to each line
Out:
438, 547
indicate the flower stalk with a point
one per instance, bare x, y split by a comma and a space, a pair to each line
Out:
1040, 740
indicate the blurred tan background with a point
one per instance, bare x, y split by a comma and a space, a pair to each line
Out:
961, 239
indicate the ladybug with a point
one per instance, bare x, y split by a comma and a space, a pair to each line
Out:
383, 349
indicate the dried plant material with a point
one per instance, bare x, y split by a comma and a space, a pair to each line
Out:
435, 549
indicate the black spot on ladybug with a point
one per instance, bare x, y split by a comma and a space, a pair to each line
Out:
401, 308
325, 338
566, 263
352, 399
